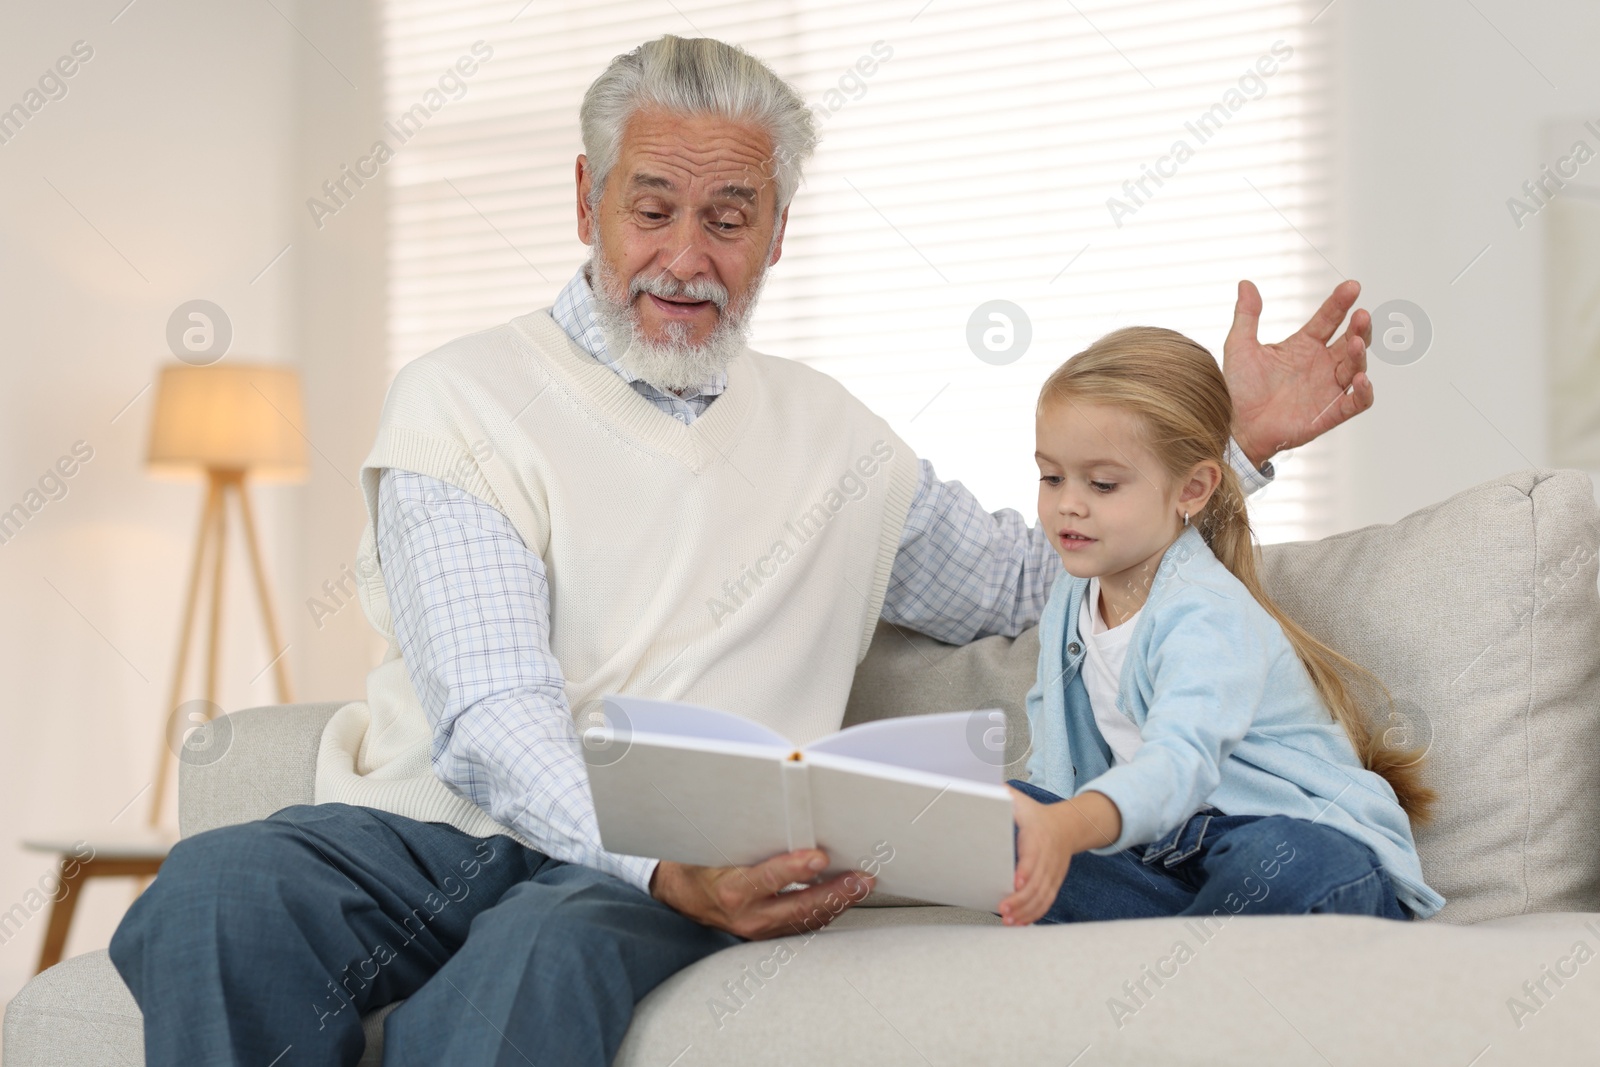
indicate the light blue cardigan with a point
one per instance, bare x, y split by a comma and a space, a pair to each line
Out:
1228, 713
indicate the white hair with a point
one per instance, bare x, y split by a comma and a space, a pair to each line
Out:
696, 76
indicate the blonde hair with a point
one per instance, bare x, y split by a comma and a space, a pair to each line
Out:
1176, 391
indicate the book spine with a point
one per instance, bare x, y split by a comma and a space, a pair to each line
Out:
797, 804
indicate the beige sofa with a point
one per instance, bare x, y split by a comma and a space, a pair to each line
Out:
1481, 613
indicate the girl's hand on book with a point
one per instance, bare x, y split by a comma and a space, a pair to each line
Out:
748, 902
1044, 851
1048, 836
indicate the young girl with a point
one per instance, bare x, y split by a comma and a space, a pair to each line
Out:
1195, 751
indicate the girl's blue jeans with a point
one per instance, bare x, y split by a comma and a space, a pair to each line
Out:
1223, 865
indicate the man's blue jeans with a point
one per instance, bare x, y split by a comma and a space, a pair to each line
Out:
279, 934
1224, 865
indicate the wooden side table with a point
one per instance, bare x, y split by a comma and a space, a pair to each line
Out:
133, 853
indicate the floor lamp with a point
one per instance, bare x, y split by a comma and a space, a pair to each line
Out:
228, 422
231, 422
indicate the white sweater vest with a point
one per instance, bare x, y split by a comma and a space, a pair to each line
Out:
738, 562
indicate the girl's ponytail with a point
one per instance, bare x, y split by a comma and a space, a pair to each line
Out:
1226, 527
1175, 386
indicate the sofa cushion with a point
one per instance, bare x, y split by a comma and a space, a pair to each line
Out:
253, 763
76, 1014
1482, 617
1245, 990
896, 986
907, 673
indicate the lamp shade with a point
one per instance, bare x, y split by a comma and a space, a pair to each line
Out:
235, 416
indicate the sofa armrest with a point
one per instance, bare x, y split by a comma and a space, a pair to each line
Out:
256, 762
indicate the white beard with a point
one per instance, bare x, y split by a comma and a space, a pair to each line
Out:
673, 364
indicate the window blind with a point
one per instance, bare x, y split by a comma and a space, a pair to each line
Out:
1017, 150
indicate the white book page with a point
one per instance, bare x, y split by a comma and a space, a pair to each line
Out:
946, 843
670, 801
669, 717
951, 744
902, 775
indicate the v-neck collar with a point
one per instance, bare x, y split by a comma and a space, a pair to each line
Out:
698, 445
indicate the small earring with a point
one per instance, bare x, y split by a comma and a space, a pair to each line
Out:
1186, 518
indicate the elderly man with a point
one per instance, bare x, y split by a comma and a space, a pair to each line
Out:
573, 504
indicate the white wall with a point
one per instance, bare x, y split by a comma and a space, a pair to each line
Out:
188, 142
1443, 121
340, 342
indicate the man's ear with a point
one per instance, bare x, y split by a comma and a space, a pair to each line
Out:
581, 179
777, 246
1202, 483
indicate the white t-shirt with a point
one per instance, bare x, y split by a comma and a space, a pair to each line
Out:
1104, 650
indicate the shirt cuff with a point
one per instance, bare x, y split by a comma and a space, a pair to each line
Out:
1250, 477
635, 870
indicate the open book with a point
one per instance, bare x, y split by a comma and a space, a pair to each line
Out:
918, 801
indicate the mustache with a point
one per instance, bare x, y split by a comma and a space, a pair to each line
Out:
666, 286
